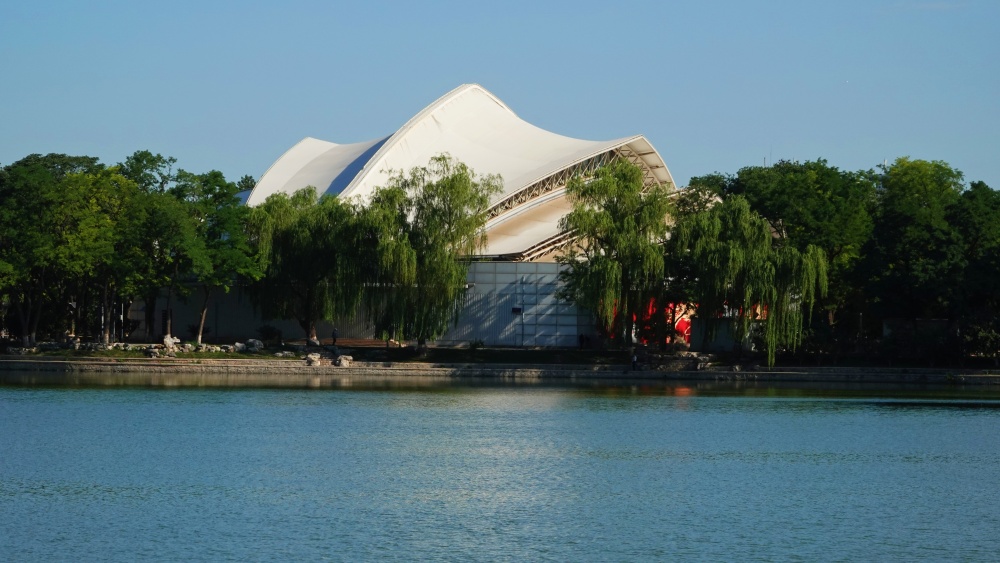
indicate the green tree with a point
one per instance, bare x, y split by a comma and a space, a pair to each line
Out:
45, 234
307, 258
220, 222
915, 253
618, 262
388, 260
678, 294
151, 172
108, 212
445, 204
977, 289
744, 274
815, 204
161, 214
245, 183
702, 193
170, 236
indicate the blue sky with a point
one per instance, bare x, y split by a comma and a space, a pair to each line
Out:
715, 85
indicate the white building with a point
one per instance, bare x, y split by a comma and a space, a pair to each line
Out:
511, 299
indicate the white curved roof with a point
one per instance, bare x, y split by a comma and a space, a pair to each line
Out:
476, 128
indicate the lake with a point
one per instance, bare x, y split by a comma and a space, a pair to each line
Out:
499, 472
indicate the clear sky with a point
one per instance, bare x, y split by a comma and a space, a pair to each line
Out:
715, 85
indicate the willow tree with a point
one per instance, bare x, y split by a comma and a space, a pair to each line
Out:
813, 203
618, 262
307, 258
433, 221
391, 264
744, 275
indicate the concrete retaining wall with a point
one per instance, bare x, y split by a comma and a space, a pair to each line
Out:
295, 374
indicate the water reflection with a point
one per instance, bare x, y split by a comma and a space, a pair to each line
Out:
614, 387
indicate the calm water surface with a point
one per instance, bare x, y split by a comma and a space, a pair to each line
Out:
496, 473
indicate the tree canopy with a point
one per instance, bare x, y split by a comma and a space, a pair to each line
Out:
80, 241
306, 256
976, 290
810, 204
620, 224
915, 253
422, 230
404, 254
48, 225
883, 253
220, 219
744, 274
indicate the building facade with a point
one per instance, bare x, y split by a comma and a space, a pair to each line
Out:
511, 297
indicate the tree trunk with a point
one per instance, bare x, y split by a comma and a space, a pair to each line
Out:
308, 327
73, 314
23, 304
107, 303
309, 314
28, 312
673, 324
204, 313
169, 318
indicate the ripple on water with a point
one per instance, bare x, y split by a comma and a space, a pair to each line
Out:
493, 474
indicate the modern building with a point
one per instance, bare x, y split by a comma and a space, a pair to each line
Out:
476, 128
511, 300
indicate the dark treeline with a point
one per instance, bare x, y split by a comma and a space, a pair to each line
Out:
81, 241
911, 252
897, 263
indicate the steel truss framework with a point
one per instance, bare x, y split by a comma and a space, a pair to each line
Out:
585, 170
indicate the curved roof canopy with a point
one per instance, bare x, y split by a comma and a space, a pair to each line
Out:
476, 128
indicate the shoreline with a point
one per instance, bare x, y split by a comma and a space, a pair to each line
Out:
267, 373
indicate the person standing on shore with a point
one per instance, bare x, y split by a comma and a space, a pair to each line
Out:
334, 339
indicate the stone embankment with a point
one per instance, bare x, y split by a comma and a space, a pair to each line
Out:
310, 373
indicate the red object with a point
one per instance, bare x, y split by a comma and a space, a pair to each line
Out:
683, 326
